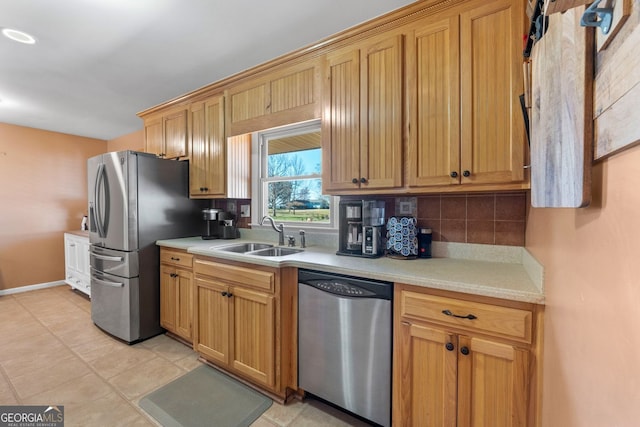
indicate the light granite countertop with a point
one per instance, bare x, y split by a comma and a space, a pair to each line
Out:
495, 271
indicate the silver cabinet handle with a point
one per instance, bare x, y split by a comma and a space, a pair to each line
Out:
108, 258
108, 283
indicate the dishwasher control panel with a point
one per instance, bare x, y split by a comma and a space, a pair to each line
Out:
340, 288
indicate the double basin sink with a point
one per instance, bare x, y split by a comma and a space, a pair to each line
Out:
260, 249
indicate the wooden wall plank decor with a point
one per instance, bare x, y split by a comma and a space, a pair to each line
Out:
555, 6
561, 122
617, 92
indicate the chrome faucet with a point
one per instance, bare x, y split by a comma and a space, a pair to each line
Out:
279, 228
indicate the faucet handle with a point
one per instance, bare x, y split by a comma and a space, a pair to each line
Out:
292, 241
303, 242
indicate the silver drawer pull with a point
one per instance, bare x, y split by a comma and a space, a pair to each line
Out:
108, 258
105, 282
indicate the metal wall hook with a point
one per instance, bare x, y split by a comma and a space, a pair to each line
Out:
597, 17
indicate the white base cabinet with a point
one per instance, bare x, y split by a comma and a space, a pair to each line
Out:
76, 259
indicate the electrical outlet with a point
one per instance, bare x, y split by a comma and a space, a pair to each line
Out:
231, 207
245, 211
406, 206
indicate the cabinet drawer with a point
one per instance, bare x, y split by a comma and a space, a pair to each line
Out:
496, 320
234, 274
177, 258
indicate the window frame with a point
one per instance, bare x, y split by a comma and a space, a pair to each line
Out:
259, 185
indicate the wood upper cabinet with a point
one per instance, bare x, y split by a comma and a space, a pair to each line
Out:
461, 371
283, 96
166, 133
220, 166
236, 320
433, 63
176, 292
362, 126
492, 127
466, 122
207, 168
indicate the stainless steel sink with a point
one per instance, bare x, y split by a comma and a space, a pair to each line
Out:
276, 251
243, 247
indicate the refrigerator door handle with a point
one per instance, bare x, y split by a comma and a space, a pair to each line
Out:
107, 258
107, 282
102, 211
96, 199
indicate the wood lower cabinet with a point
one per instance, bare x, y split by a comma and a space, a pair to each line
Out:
238, 322
176, 293
462, 371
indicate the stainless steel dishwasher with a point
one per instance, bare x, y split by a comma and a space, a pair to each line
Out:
344, 342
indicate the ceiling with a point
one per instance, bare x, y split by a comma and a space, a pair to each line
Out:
97, 63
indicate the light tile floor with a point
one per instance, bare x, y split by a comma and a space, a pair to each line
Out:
51, 353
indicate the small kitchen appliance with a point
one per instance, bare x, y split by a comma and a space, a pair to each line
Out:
212, 218
360, 228
402, 237
229, 231
424, 243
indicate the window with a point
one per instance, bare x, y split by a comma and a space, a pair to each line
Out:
289, 189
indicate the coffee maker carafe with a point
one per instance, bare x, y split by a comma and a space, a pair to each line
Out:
360, 230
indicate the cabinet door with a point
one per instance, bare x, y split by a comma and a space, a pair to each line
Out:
83, 256
198, 177
168, 298
253, 335
381, 119
433, 63
184, 303
341, 121
216, 146
427, 386
492, 384
207, 169
248, 103
71, 250
211, 336
492, 131
153, 136
175, 134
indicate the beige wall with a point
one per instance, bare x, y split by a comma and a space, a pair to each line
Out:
592, 284
132, 141
43, 192
592, 267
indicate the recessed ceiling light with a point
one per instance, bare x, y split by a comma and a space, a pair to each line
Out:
18, 36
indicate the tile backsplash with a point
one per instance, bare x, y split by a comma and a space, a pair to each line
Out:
489, 218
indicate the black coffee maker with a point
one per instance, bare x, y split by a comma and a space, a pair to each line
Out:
213, 218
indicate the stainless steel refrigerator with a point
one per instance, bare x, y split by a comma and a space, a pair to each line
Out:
134, 199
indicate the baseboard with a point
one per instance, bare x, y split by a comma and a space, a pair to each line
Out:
20, 289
